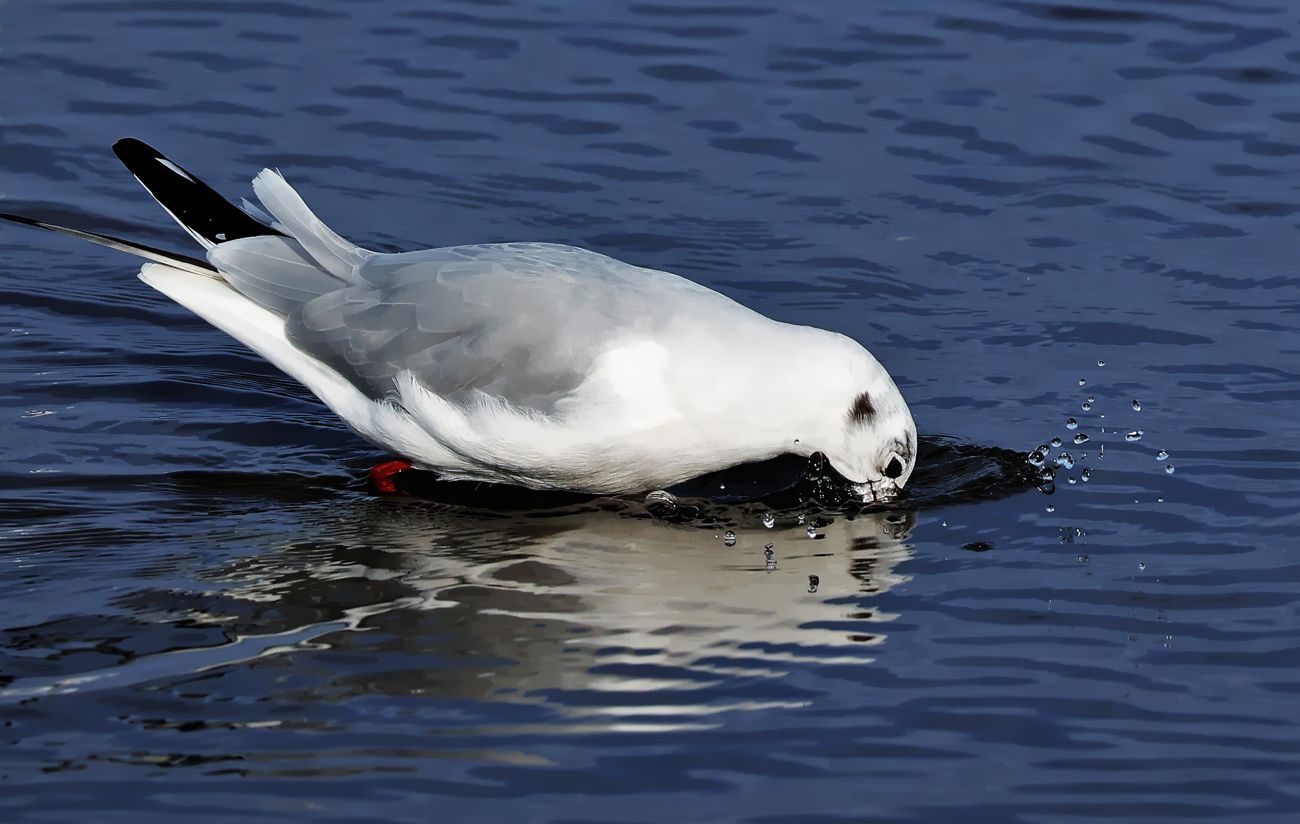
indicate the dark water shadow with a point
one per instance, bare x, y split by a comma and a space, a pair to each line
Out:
948, 472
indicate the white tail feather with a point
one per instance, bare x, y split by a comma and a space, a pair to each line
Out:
334, 253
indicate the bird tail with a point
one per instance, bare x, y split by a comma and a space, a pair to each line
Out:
213, 220
206, 215
337, 255
279, 257
196, 206
174, 259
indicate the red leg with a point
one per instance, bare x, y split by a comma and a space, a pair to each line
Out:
381, 475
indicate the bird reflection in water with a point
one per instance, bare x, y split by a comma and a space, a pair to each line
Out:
598, 613
598, 607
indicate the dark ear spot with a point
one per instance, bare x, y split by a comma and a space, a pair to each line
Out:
894, 468
862, 409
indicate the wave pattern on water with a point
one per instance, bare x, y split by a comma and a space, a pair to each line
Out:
204, 615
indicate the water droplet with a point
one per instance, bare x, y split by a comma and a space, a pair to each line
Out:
812, 531
1101, 363
813, 583
943, 523
769, 520
661, 501
1071, 424
1087, 406
1051, 508
1091, 399
728, 538
1082, 381
1065, 460
1169, 469
1085, 475
1056, 442
1135, 435
1101, 452
1161, 455
802, 517
1083, 559
767, 549
1047, 474
1142, 567
1036, 457
1071, 480
1080, 438
1137, 405
722, 486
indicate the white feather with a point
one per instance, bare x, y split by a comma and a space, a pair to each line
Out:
338, 255
383, 424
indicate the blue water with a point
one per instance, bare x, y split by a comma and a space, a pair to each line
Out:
205, 616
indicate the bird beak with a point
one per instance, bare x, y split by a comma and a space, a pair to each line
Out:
874, 492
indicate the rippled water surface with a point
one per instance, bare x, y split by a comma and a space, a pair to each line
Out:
204, 615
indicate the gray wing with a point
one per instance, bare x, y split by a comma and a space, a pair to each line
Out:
522, 321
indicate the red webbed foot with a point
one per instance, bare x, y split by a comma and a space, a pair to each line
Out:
381, 476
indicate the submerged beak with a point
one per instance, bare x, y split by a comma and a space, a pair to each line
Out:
875, 492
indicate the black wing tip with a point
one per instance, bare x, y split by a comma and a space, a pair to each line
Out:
134, 146
195, 205
139, 249
134, 152
26, 221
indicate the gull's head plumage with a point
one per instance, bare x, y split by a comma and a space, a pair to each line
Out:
872, 442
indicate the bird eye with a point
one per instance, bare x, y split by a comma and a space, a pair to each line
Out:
894, 468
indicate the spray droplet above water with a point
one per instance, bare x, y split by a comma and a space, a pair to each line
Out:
1082, 381
728, 538
1169, 469
812, 531
1101, 363
769, 520
1051, 508
1161, 455
1071, 423
1137, 405
1085, 475
1055, 441
1080, 438
813, 583
1135, 435
1065, 460
1086, 406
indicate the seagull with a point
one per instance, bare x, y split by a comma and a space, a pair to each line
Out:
535, 364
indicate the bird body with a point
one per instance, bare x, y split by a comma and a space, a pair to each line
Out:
538, 364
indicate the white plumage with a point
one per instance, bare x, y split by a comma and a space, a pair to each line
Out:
535, 364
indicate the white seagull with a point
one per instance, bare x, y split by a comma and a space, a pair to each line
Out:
536, 364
